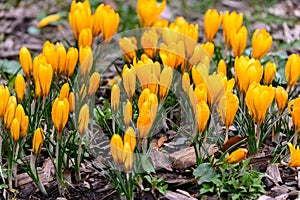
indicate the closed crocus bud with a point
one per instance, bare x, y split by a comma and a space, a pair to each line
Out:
10, 112
239, 41
64, 91
71, 61
82, 91
149, 11
45, 78
128, 46
127, 113
228, 107
129, 81
115, 97
261, 43
47, 20
247, 71
258, 99
85, 37
4, 96
61, 58
85, 60
110, 24
161, 23
209, 47
37, 61
50, 52
270, 72
144, 96
20, 86
98, 19
153, 83
24, 126
26, 61
37, 141
191, 31
60, 114
212, 22
292, 70
130, 137
20, 113
281, 97
186, 82
222, 69
127, 156
166, 78
80, 16
83, 120
237, 156
231, 23
294, 110
15, 130
116, 149
149, 42
71, 102
37, 89
197, 76
202, 116
144, 121
94, 83
295, 156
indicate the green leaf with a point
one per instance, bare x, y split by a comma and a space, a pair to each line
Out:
147, 189
205, 172
236, 196
2, 186
146, 164
10, 66
163, 189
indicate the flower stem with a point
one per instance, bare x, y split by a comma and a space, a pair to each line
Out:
77, 174
226, 135
258, 133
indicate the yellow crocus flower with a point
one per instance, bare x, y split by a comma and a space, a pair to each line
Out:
270, 72
83, 120
281, 97
26, 61
127, 156
239, 41
148, 11
222, 68
15, 130
129, 81
292, 70
71, 61
212, 22
85, 60
37, 141
64, 91
47, 20
45, 77
115, 97
261, 43
130, 137
237, 156
209, 47
4, 96
94, 83
116, 148
85, 37
202, 116
295, 156
231, 23
166, 78
128, 46
60, 114
128, 113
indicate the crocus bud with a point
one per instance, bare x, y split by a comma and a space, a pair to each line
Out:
94, 83
60, 114
237, 156
10, 113
47, 20
85, 37
37, 89
222, 69
4, 96
281, 97
83, 121
239, 41
258, 99
15, 130
261, 43
61, 58
212, 22
186, 82
130, 137
50, 53
86, 60
115, 97
116, 149
26, 61
149, 42
202, 116
127, 113
231, 23
127, 157
144, 96
64, 91
144, 121
292, 70
71, 61
110, 24
270, 72
166, 78
37, 141
45, 78
228, 107
128, 46
129, 80
149, 11
20, 87
209, 47
72, 102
